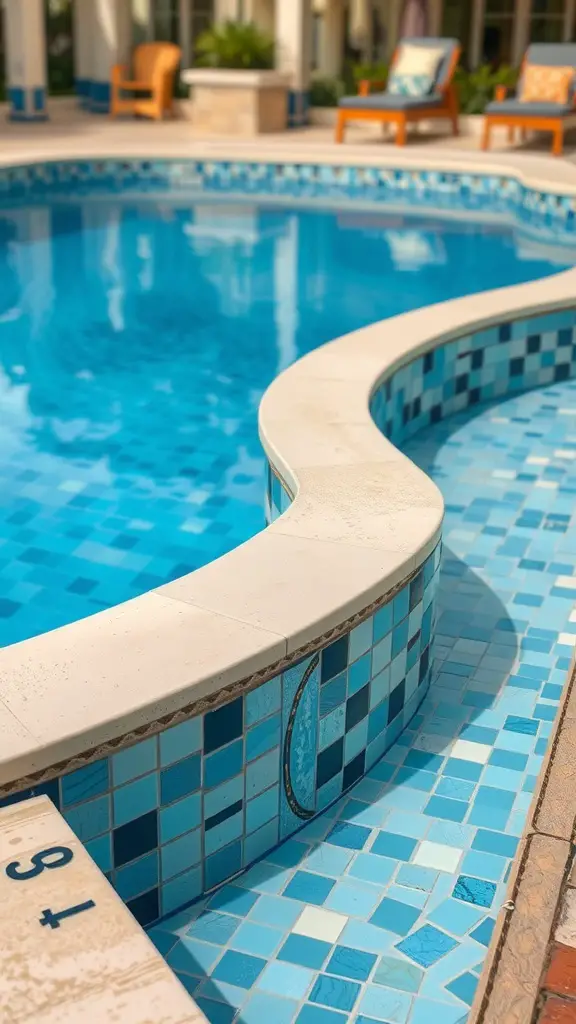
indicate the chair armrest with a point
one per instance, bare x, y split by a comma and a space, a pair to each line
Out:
118, 72
500, 93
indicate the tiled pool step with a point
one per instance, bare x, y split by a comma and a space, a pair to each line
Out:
71, 952
382, 909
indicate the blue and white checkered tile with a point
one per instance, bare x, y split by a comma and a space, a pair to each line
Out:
382, 908
179, 813
424, 188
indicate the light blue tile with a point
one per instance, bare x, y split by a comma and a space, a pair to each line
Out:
223, 764
332, 727
90, 819
263, 737
285, 979
135, 798
180, 817
224, 833
263, 701
355, 741
181, 890
134, 761
257, 939
360, 640
180, 741
386, 1004
262, 773
216, 800
261, 841
263, 1006
181, 854
262, 808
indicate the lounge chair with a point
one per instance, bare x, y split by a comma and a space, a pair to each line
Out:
387, 107
155, 65
535, 116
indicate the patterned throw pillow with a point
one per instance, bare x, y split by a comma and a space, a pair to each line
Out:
541, 84
415, 70
410, 85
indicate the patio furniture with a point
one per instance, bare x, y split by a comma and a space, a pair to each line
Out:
543, 115
154, 66
393, 106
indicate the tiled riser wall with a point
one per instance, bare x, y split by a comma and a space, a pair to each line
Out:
176, 814
476, 368
424, 188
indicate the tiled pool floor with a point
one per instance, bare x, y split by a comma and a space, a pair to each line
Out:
382, 908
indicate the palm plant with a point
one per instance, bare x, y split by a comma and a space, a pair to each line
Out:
240, 45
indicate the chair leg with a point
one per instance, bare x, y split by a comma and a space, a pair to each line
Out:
485, 144
401, 133
511, 133
558, 140
340, 126
453, 107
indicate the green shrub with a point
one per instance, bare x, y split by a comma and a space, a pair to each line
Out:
325, 92
235, 45
476, 88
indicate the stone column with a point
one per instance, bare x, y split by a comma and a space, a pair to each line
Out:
293, 55
82, 14
25, 59
111, 37
521, 31
331, 48
227, 10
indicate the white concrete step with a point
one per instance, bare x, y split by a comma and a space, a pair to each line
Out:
70, 951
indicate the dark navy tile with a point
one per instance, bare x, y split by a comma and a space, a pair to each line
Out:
135, 838
334, 659
223, 725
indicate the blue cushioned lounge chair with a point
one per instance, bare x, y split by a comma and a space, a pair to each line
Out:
388, 108
545, 117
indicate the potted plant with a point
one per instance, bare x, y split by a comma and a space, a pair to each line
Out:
234, 87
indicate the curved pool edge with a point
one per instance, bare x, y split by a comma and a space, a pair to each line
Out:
348, 539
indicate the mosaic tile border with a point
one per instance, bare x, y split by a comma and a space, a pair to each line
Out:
454, 189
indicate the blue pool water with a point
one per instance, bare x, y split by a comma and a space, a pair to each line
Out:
136, 339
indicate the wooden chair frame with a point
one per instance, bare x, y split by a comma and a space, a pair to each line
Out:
524, 122
159, 88
448, 108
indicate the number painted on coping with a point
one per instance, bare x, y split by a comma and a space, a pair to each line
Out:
53, 919
64, 854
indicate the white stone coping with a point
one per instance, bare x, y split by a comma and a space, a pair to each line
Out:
363, 518
227, 78
94, 964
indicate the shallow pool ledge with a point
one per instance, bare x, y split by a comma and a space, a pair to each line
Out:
202, 723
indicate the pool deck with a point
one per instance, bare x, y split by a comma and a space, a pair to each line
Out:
530, 969
71, 133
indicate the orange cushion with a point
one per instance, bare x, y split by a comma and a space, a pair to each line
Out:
543, 84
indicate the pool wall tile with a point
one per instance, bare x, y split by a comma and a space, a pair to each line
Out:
176, 814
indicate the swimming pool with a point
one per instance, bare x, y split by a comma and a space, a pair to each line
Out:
136, 339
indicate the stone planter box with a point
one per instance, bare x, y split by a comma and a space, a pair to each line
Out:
237, 102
